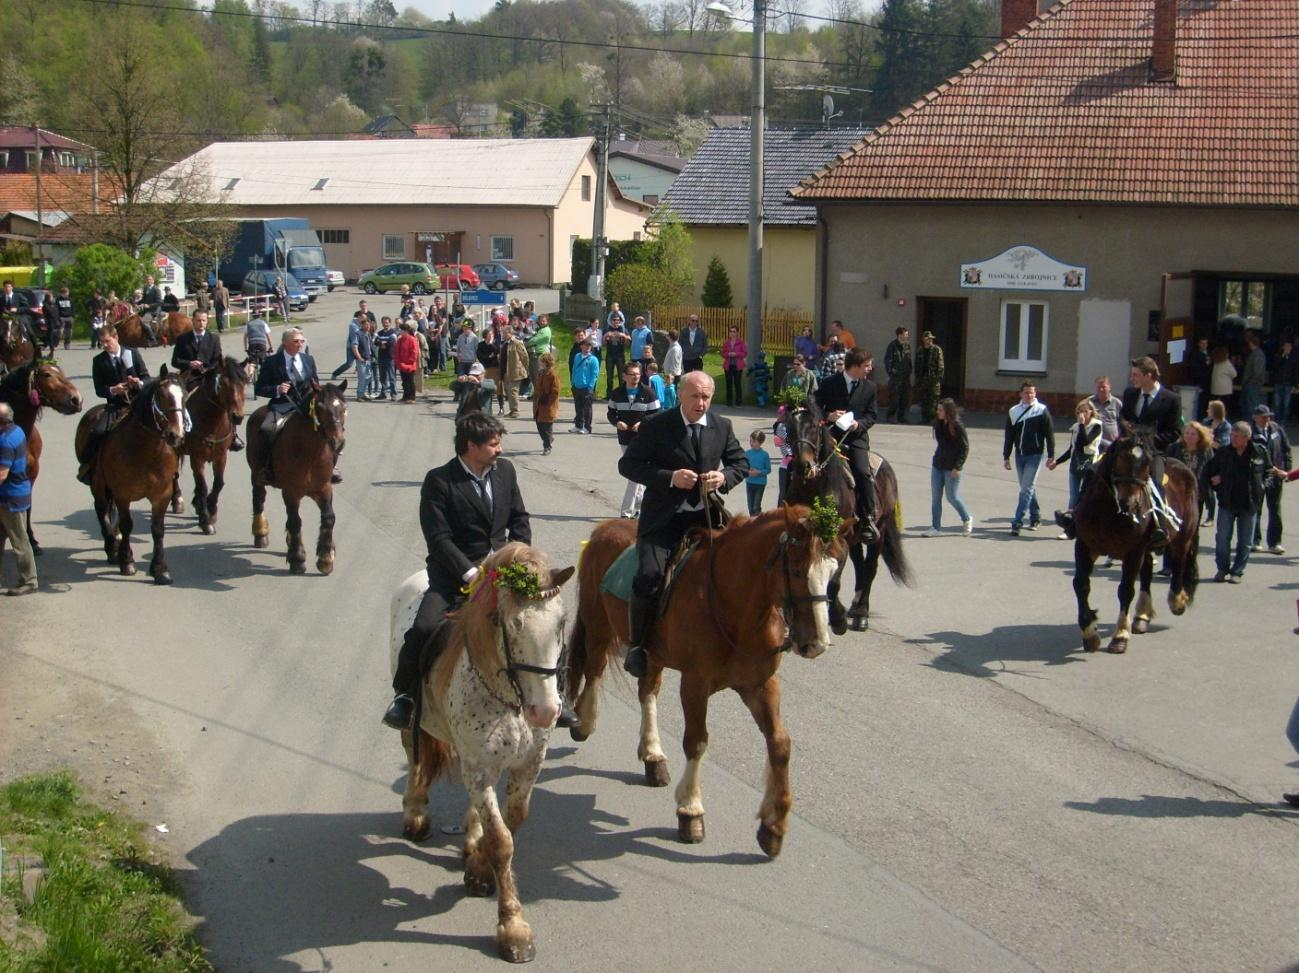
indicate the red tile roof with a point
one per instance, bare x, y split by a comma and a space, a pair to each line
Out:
70, 192
1065, 111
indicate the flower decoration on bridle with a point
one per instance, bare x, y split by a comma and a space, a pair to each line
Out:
826, 521
792, 397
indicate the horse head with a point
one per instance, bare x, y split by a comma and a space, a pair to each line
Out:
1126, 467
807, 563
327, 410
517, 595
166, 402
48, 386
229, 385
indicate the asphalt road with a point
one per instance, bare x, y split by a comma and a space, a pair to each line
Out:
971, 791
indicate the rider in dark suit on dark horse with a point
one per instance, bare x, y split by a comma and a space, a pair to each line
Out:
851, 391
287, 378
196, 353
679, 455
117, 373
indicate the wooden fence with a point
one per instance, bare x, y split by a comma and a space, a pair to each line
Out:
779, 325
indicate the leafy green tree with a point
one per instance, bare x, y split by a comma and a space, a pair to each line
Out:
903, 72
670, 250
100, 265
566, 121
260, 62
366, 66
717, 285
641, 287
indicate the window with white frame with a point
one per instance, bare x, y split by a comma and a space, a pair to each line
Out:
1023, 336
394, 246
586, 189
502, 248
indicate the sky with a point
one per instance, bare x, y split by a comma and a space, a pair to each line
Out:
472, 9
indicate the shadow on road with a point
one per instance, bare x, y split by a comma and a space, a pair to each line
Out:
996, 652
1158, 806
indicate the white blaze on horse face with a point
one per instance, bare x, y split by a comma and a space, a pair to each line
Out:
175, 400
819, 575
535, 640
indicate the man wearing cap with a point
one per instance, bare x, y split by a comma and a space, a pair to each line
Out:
476, 390
929, 376
1272, 438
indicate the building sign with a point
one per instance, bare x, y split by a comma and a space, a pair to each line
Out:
429, 237
1023, 268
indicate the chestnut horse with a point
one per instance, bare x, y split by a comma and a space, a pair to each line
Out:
137, 459
302, 462
218, 395
1113, 517
130, 328
16, 347
489, 702
817, 469
29, 389
752, 590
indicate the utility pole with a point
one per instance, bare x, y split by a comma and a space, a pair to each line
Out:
40, 212
757, 130
595, 286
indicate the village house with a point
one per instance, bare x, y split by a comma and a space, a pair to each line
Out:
644, 169
1107, 182
520, 202
711, 197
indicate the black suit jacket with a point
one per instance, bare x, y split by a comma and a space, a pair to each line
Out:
107, 371
832, 396
12, 302
1162, 415
663, 446
457, 527
190, 347
275, 371
693, 350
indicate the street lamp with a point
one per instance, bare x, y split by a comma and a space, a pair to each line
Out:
757, 128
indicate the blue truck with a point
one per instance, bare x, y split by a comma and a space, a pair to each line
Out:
284, 244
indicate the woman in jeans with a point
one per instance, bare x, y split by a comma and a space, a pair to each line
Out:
734, 358
949, 459
1085, 437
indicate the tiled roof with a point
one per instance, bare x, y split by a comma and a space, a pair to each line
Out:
714, 185
1065, 111
23, 137
69, 192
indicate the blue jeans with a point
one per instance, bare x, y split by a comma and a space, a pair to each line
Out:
754, 491
1250, 396
1075, 485
940, 482
1281, 403
1242, 523
362, 377
388, 378
1027, 467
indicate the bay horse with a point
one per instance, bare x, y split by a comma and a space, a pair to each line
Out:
818, 469
29, 389
751, 591
16, 347
218, 395
130, 327
302, 462
1113, 517
489, 702
136, 460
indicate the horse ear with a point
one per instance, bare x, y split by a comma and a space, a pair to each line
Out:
558, 578
162, 372
342, 389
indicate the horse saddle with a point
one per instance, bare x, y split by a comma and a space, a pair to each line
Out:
620, 575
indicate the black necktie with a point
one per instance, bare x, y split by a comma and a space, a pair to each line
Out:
697, 493
482, 490
1145, 401
852, 387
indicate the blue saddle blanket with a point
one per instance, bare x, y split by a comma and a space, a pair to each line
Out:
622, 572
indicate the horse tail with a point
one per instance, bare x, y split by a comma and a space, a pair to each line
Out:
575, 665
891, 547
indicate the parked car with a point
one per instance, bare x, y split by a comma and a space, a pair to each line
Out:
497, 276
263, 282
335, 278
421, 278
459, 276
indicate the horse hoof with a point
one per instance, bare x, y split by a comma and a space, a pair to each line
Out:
524, 952
578, 735
690, 828
1141, 626
207, 529
479, 886
769, 841
37, 550
261, 541
325, 565
839, 626
178, 506
1117, 646
128, 569
163, 577
656, 773
860, 624
297, 567
1092, 643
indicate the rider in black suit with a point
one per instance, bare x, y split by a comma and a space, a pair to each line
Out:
665, 459
286, 378
11, 302
117, 373
198, 352
468, 507
852, 391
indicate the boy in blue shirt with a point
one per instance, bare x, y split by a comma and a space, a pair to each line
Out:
585, 374
759, 469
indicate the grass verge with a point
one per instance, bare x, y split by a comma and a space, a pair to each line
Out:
97, 898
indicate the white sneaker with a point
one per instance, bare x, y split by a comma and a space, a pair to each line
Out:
1256, 547
1276, 549
1062, 536
932, 532
967, 527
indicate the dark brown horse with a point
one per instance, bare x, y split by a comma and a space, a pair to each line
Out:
29, 389
218, 395
1113, 517
16, 347
302, 462
130, 327
817, 469
751, 591
137, 460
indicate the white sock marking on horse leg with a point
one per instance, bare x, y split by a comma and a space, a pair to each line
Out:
1145, 606
1123, 629
690, 795
651, 748
819, 576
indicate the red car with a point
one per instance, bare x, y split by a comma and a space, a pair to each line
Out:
459, 276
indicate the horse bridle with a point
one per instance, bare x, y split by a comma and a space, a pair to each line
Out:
791, 600
160, 414
511, 669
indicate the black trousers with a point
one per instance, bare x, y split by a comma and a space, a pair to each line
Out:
440, 598
859, 461
1272, 501
582, 409
899, 399
653, 551
734, 386
613, 373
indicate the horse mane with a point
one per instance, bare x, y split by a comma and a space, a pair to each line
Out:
143, 401
231, 369
15, 381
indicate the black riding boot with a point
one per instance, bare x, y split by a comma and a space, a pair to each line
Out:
640, 619
405, 682
869, 533
236, 444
